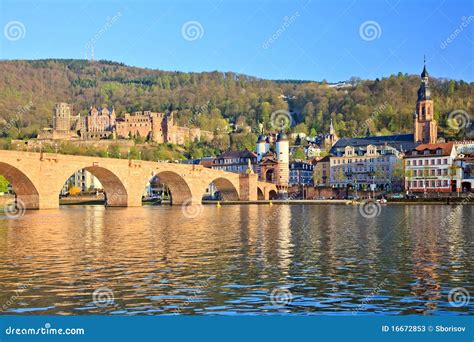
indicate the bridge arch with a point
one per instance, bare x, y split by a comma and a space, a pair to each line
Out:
22, 185
272, 194
115, 192
179, 188
228, 190
266, 191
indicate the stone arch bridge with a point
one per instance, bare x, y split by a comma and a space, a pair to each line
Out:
37, 179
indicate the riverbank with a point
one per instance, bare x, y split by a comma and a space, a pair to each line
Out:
435, 201
349, 202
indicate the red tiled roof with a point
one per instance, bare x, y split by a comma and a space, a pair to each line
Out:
446, 148
238, 154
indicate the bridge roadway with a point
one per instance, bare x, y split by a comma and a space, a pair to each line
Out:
37, 179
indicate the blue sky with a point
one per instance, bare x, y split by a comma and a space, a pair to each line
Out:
302, 39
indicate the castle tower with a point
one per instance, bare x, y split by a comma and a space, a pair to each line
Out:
283, 158
425, 126
62, 117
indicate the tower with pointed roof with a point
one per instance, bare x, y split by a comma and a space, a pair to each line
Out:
331, 128
425, 126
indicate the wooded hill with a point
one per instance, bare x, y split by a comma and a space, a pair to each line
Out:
212, 100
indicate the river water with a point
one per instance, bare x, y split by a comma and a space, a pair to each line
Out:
240, 259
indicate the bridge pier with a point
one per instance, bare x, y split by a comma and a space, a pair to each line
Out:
248, 186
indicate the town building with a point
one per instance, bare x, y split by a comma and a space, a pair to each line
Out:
83, 180
322, 172
429, 168
301, 173
464, 167
312, 151
366, 167
236, 161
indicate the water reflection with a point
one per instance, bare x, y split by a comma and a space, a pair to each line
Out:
229, 259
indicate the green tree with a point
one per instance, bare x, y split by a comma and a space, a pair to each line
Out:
3, 184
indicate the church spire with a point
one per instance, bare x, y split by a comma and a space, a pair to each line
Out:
424, 73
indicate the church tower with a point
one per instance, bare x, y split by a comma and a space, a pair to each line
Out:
426, 127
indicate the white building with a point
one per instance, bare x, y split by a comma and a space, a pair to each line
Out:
429, 168
366, 168
84, 180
